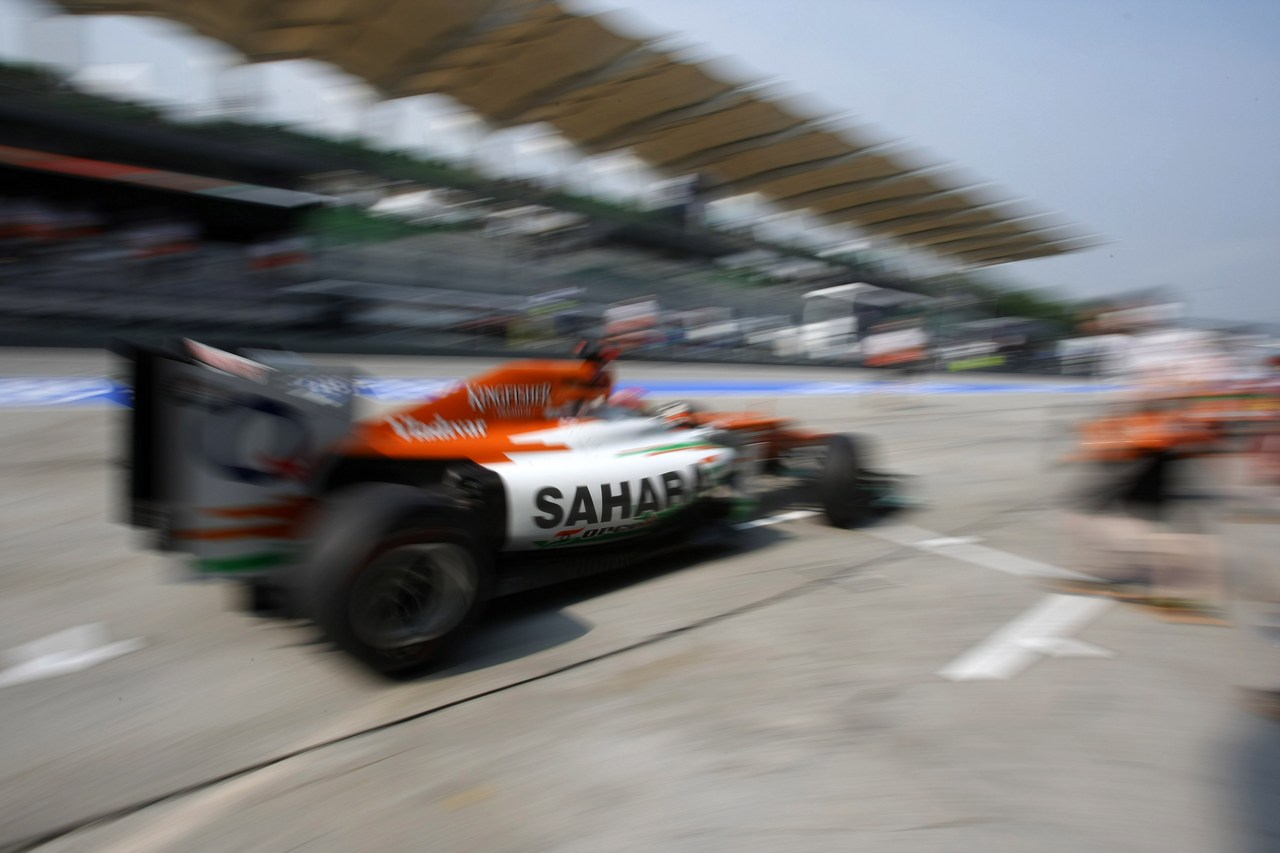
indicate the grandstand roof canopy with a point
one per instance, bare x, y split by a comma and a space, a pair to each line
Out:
517, 62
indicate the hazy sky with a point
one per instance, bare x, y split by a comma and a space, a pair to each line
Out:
1154, 123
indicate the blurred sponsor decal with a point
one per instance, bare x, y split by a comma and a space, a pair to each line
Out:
325, 390
592, 505
411, 429
256, 440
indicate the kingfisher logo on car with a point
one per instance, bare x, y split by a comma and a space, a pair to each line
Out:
508, 400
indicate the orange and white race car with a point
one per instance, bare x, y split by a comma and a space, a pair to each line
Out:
391, 532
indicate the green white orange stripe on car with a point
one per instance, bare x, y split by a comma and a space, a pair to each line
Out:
670, 448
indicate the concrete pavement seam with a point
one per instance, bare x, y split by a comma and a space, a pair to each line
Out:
35, 842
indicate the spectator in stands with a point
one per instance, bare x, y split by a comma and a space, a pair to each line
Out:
31, 227
143, 239
161, 245
277, 258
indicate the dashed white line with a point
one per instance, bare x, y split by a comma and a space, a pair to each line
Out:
963, 549
943, 541
72, 650
1042, 630
776, 519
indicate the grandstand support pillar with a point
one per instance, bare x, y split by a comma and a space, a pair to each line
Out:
564, 173
484, 135
241, 90
378, 123
47, 32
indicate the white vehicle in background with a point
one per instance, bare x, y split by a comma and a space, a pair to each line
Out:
761, 334
829, 328
724, 332
828, 325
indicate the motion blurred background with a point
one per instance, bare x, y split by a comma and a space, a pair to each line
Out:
510, 177
496, 178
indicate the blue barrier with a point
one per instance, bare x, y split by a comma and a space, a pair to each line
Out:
44, 391
57, 392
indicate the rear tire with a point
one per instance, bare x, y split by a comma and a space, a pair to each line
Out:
394, 575
845, 499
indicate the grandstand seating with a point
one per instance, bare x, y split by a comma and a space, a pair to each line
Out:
467, 261
420, 289
388, 287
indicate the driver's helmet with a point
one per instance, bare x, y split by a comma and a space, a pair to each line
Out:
676, 413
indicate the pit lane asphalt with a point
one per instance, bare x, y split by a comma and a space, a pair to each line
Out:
777, 694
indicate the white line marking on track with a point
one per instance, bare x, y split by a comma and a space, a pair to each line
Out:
978, 555
72, 650
1042, 630
1066, 647
776, 519
944, 541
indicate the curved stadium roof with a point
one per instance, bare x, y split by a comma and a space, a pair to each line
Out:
517, 62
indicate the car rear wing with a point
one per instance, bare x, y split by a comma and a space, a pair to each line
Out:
220, 448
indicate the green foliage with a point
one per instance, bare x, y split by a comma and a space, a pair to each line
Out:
1025, 304
339, 226
976, 297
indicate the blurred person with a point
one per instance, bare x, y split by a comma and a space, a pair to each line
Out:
1123, 518
1253, 531
1267, 470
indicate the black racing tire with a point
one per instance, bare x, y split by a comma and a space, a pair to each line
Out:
394, 575
845, 499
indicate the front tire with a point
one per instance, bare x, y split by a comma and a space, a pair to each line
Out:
394, 575
845, 498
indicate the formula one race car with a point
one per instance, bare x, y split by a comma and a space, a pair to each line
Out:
390, 533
